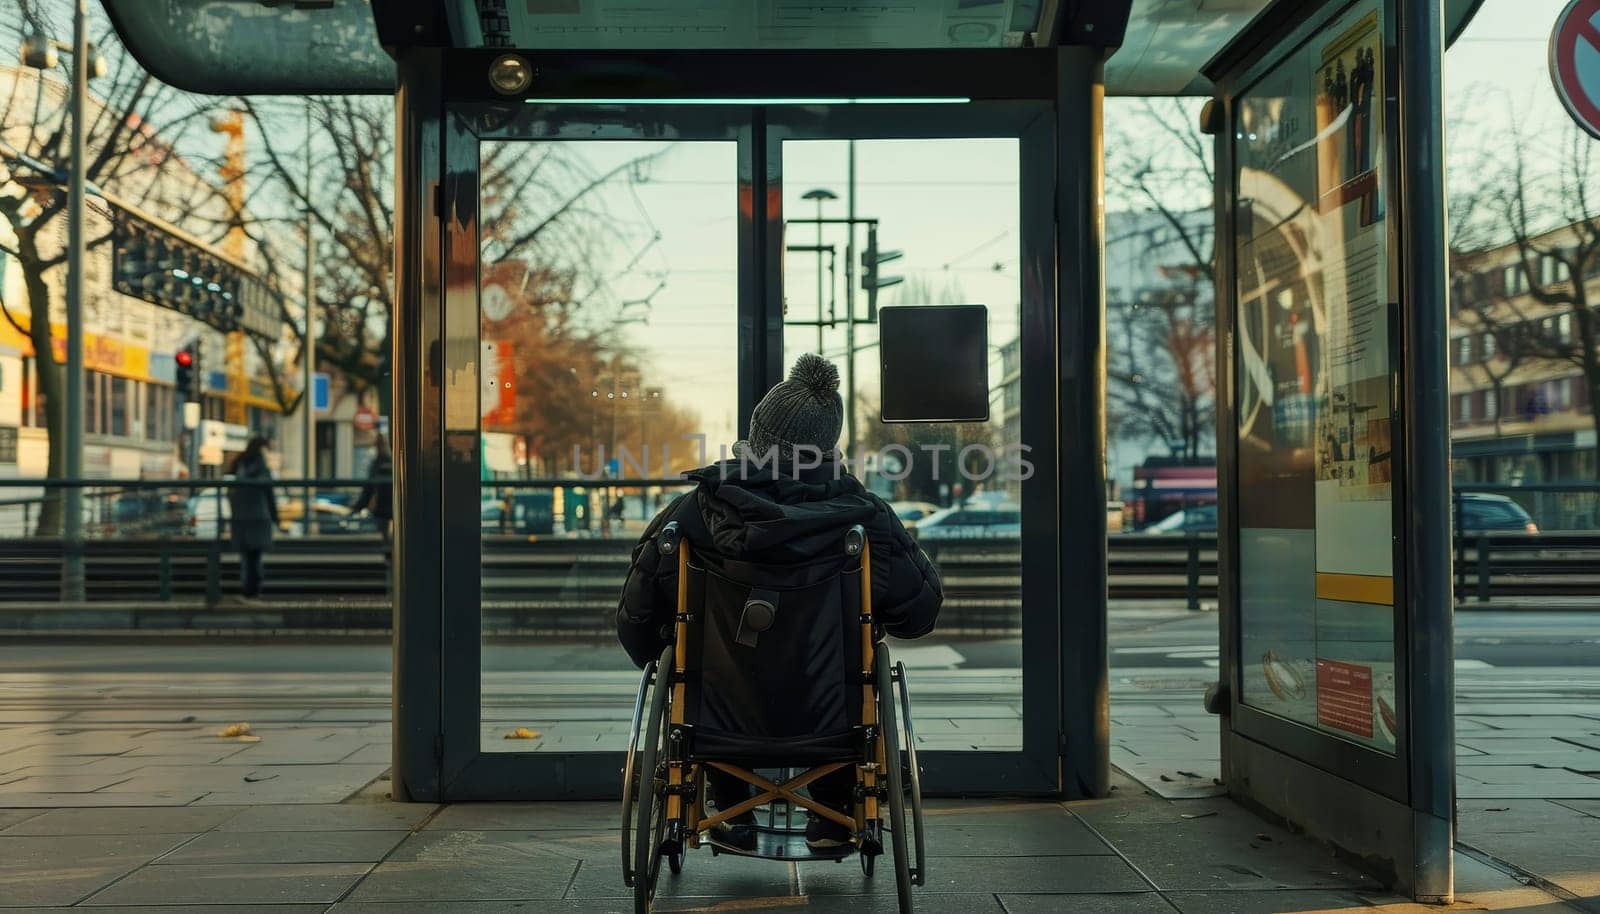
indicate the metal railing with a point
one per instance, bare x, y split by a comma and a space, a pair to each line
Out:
554, 554
1558, 560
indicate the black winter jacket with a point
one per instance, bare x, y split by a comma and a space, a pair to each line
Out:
757, 515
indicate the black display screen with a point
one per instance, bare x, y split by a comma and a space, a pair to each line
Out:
934, 363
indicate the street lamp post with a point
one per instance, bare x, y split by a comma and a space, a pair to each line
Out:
39, 51
308, 366
850, 309
72, 584
821, 195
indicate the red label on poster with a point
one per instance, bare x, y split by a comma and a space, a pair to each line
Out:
1344, 697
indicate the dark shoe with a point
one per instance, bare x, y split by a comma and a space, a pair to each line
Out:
738, 833
825, 834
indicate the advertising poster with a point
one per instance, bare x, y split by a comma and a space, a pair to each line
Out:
1314, 405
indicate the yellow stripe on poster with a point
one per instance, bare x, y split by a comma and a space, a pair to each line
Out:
1356, 588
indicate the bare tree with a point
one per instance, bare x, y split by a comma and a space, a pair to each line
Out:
134, 129
1538, 196
1163, 378
534, 202
1159, 176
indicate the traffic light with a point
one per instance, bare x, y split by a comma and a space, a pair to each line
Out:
187, 377
871, 279
170, 269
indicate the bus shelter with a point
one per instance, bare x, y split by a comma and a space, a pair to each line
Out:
1334, 698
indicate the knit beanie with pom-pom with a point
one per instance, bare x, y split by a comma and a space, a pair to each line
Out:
803, 411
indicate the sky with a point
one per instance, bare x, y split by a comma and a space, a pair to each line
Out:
950, 205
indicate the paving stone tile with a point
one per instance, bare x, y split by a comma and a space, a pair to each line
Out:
98, 800
1048, 831
704, 876
32, 716
1267, 902
30, 756
1533, 816
114, 821
1125, 903
55, 870
1525, 835
370, 754
182, 909
1526, 775
59, 783
1541, 723
269, 883
278, 748
470, 865
287, 794
522, 816
187, 753
1587, 807
1482, 885
10, 817
293, 784
926, 903
330, 816
216, 847
1026, 875
1472, 790
1224, 853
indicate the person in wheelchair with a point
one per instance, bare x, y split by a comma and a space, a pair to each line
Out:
782, 501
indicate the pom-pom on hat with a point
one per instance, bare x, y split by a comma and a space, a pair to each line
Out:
805, 410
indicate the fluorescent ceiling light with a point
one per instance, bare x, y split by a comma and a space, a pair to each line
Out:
749, 101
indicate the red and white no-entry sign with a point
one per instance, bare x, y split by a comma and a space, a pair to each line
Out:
1575, 62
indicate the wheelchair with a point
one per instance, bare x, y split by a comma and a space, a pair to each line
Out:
776, 670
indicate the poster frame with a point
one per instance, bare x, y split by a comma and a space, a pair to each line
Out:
1276, 42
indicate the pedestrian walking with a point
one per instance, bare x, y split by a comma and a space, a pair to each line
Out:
253, 514
377, 496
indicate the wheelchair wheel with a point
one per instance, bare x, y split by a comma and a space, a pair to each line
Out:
889, 734
630, 771
650, 820
913, 777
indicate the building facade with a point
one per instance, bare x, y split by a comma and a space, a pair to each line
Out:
1521, 412
133, 420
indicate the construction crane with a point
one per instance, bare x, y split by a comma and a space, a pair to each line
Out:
231, 124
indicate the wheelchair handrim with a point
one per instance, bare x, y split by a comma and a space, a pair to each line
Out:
915, 784
628, 787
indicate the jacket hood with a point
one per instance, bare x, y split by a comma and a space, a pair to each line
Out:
778, 513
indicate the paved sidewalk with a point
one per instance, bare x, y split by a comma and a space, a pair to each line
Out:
116, 790
113, 807
1133, 853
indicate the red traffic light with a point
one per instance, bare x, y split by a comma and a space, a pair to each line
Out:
184, 358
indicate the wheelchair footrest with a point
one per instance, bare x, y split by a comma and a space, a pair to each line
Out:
782, 844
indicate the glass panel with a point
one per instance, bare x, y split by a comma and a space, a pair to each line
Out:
608, 332
952, 206
1316, 563
742, 24
221, 47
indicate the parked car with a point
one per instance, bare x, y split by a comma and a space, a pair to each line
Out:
1198, 519
910, 512
964, 522
1482, 512
148, 513
209, 513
